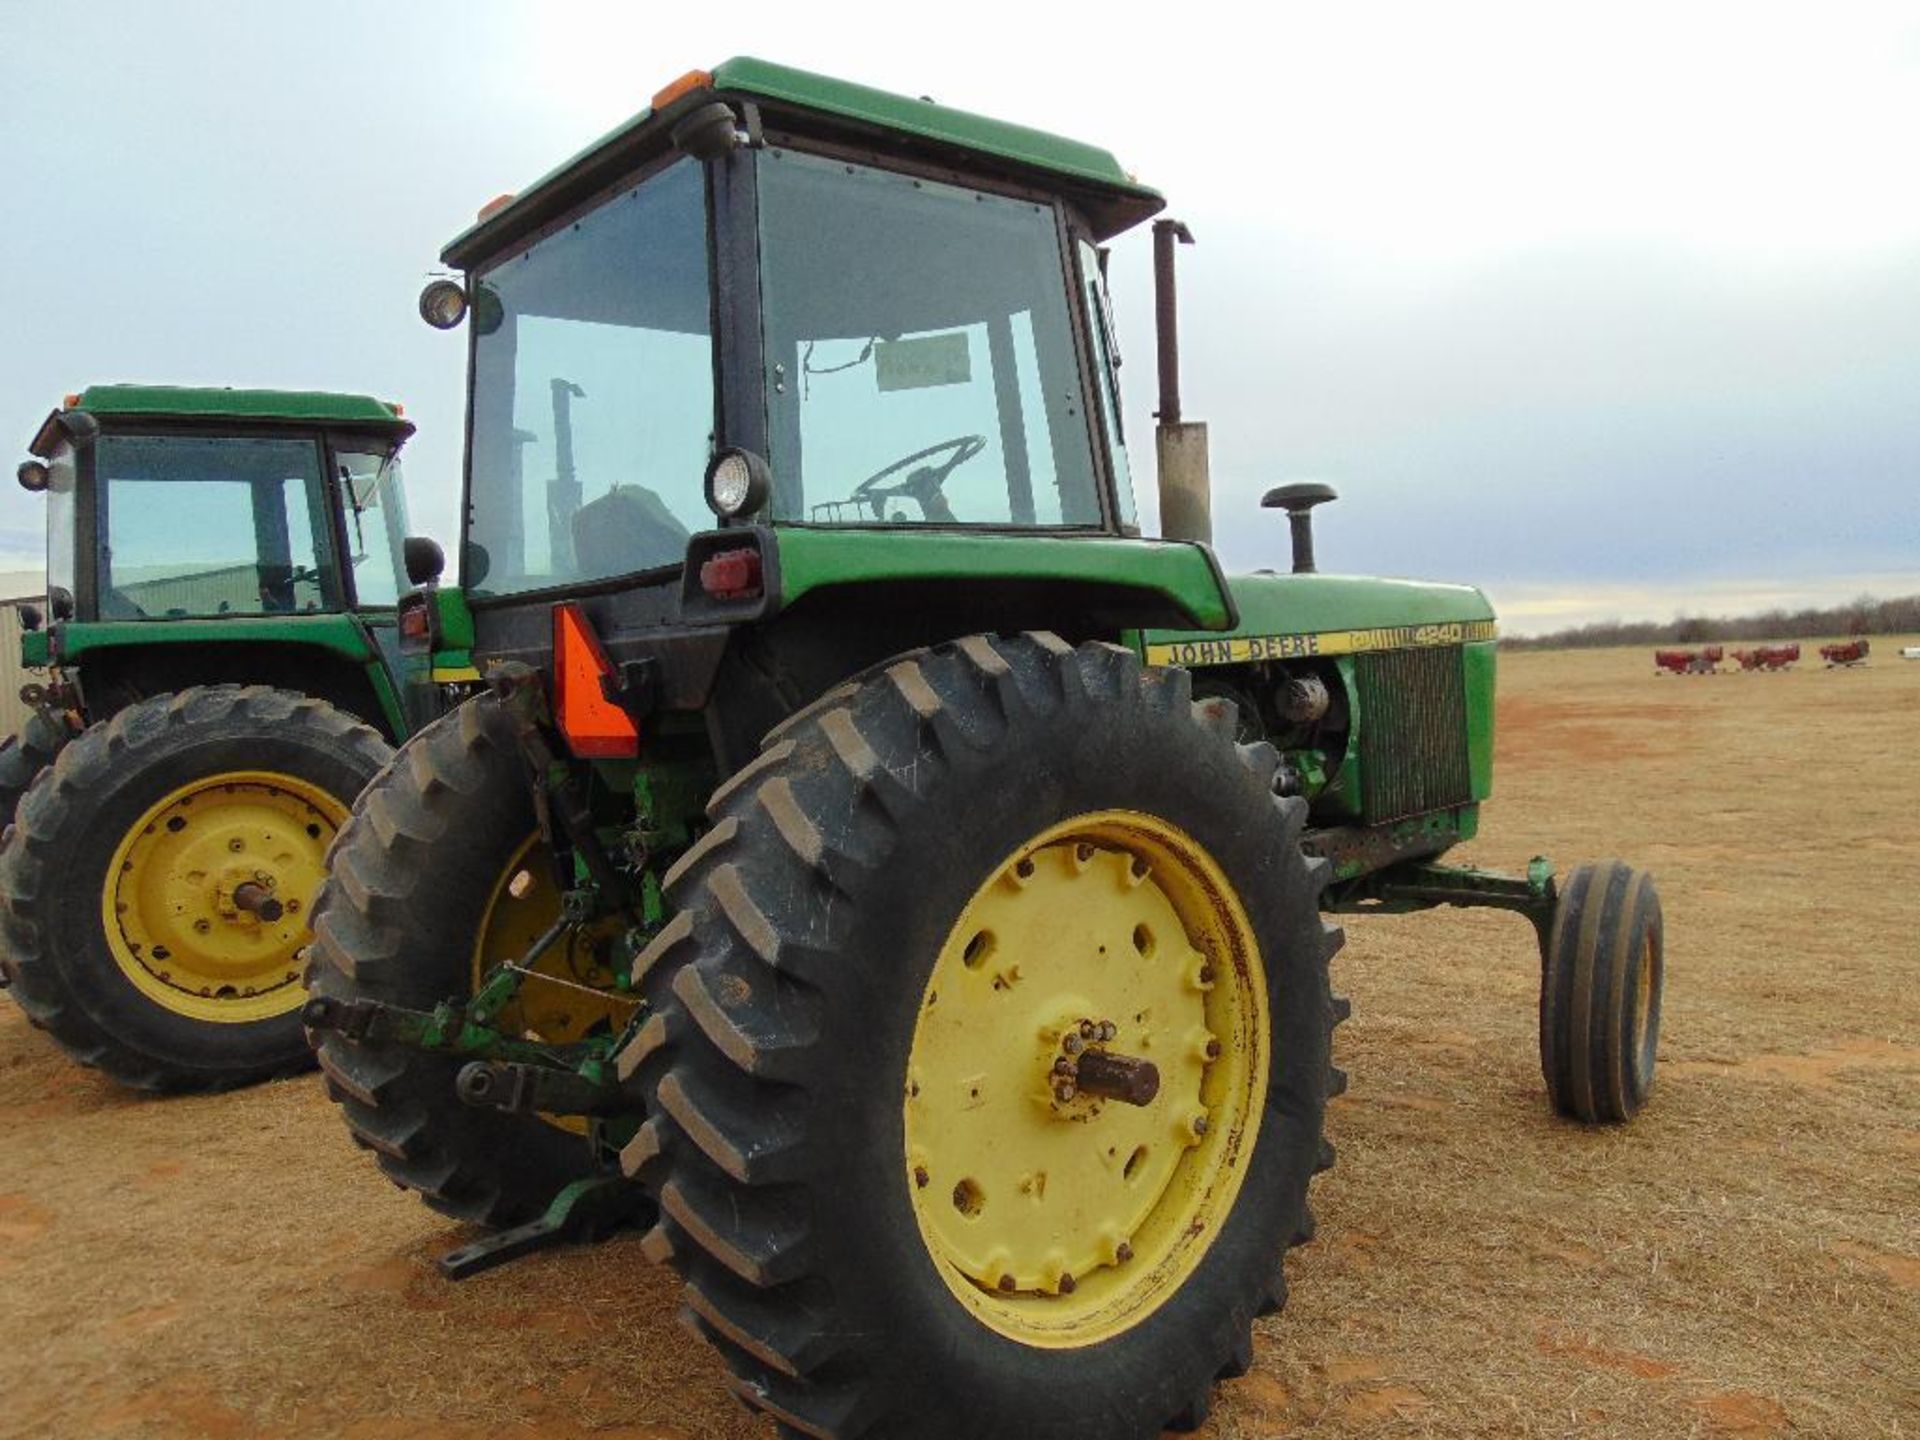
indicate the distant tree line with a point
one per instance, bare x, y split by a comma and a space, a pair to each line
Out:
1865, 616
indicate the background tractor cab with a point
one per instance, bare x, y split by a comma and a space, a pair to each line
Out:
197, 535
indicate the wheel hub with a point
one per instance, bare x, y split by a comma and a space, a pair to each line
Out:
205, 901
1083, 1081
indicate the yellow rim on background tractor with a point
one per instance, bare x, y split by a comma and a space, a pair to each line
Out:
524, 904
206, 898
1062, 1217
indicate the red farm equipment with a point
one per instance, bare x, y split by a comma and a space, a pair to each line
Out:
1845, 652
1767, 657
1688, 662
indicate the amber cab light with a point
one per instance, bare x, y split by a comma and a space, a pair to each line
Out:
688, 83
595, 728
415, 623
732, 575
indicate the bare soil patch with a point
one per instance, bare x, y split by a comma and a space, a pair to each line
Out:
1743, 1260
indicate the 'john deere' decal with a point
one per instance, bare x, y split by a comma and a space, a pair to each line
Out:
1238, 649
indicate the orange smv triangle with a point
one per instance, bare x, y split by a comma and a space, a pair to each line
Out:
595, 727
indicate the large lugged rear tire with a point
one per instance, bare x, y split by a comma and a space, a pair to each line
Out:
1600, 986
903, 1200
24, 756
158, 881
421, 869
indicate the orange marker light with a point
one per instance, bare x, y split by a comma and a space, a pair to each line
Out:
595, 728
494, 206
688, 83
69, 402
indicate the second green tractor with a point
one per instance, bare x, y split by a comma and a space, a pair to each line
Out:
222, 674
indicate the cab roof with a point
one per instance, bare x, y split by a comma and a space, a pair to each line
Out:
817, 105
218, 403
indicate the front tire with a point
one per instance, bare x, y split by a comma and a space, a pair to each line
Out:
1600, 989
842, 1173
159, 878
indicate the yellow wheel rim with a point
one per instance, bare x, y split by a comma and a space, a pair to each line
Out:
1061, 1217
554, 1003
206, 898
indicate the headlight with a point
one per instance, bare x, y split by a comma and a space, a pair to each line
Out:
443, 304
737, 483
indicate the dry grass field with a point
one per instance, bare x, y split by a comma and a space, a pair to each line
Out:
1744, 1260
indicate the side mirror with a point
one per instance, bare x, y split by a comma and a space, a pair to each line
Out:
1298, 501
30, 617
423, 558
60, 602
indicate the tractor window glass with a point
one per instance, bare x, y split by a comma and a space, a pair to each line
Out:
61, 559
373, 508
1106, 364
921, 368
593, 395
198, 526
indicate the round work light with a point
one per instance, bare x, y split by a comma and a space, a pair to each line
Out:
737, 483
33, 475
443, 304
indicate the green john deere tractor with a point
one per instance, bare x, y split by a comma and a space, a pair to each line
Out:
224, 675
879, 866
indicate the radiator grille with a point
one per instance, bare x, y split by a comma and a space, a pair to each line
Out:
1413, 732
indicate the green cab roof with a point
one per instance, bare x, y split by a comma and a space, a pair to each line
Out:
212, 403
1088, 175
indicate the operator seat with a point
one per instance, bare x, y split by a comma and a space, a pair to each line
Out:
628, 528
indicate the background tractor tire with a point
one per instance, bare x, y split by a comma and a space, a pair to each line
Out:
411, 877
783, 1060
114, 816
1600, 987
24, 756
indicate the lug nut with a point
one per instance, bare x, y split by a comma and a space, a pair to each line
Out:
1213, 1049
1088, 1030
1122, 1255
1006, 1283
1064, 1091
1206, 974
1108, 1029
920, 1176
1073, 1044
1199, 1124
1068, 1285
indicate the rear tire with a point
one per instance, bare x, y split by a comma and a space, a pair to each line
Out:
24, 756
411, 877
160, 999
1600, 990
842, 877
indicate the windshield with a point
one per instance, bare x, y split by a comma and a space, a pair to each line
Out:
593, 403
201, 526
921, 364
373, 506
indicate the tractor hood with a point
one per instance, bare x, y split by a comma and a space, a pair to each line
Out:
1291, 616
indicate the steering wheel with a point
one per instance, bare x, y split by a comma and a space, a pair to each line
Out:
923, 484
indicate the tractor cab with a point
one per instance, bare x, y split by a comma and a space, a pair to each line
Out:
168, 504
220, 534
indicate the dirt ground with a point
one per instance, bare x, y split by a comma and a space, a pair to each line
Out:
1743, 1260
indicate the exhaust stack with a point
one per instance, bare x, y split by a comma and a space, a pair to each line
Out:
1186, 487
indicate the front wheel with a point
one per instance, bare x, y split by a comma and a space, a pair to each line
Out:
991, 1052
159, 877
1600, 986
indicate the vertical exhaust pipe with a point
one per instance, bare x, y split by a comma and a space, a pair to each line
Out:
1186, 491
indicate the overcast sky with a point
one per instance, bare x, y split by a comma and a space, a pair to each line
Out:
1613, 310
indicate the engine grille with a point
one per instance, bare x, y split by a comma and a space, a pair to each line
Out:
1413, 731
